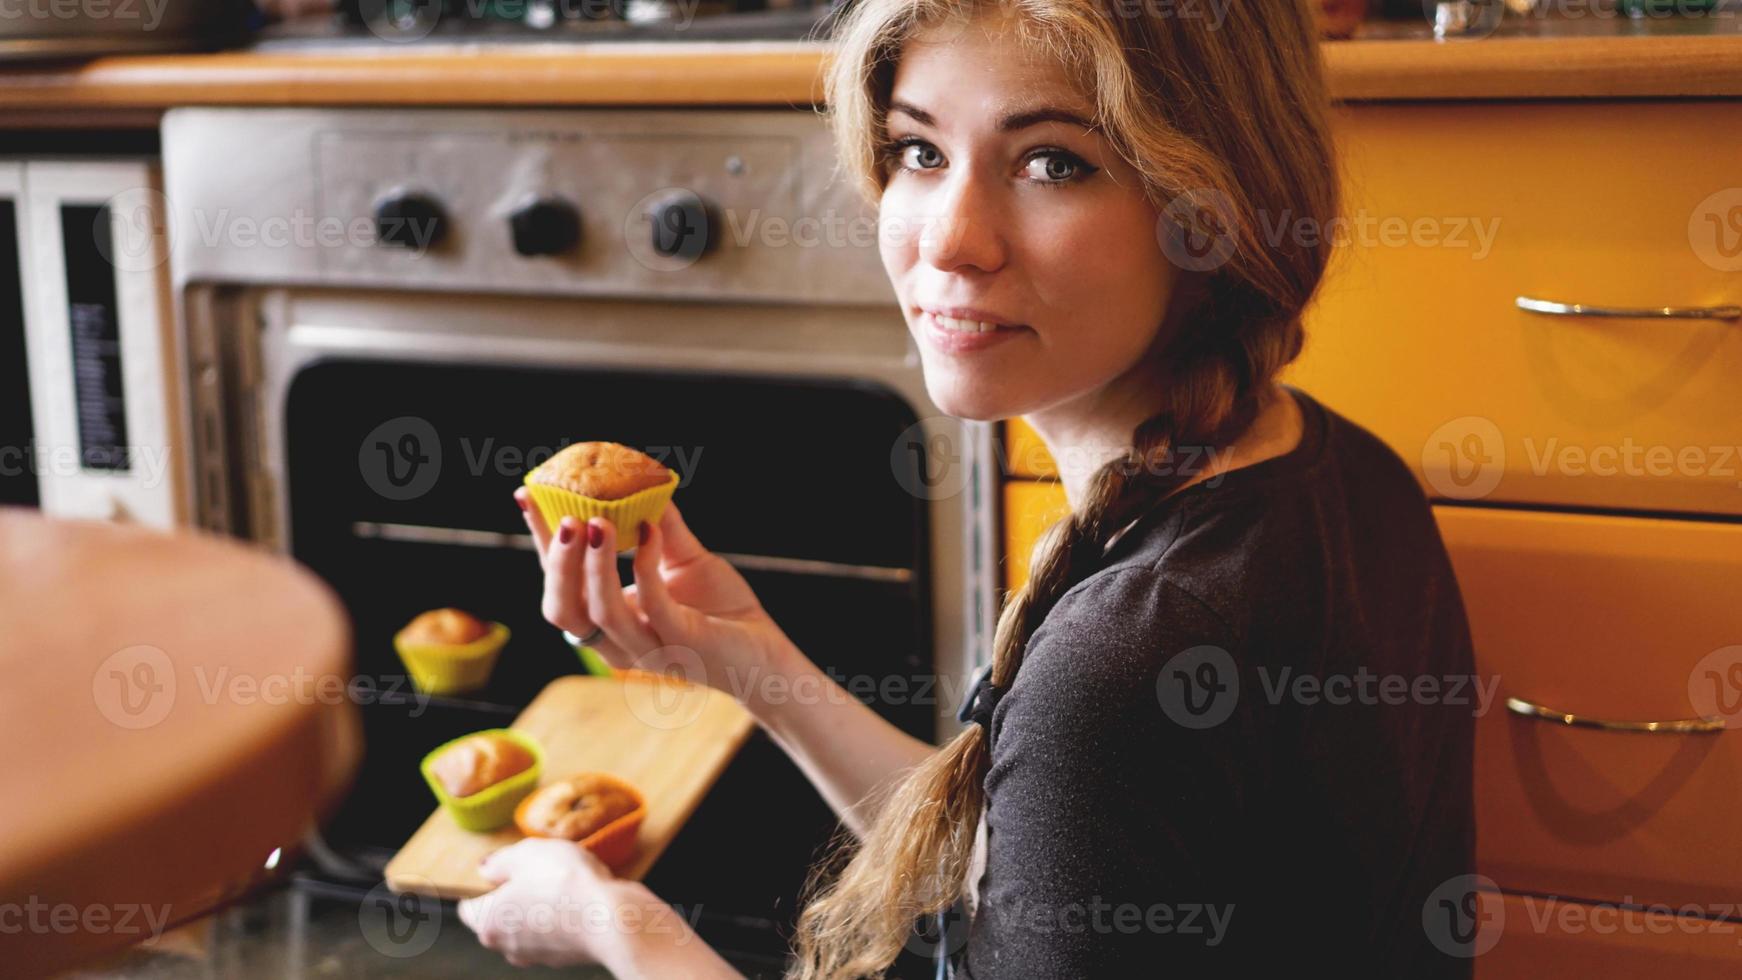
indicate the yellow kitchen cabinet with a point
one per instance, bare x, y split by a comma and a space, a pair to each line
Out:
1604, 619
1455, 211
1553, 936
1024, 454
1030, 506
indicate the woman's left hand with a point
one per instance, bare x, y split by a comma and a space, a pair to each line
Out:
556, 904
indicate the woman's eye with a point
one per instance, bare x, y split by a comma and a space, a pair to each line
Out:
1051, 167
915, 155
1057, 167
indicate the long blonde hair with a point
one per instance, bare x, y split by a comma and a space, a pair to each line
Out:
1234, 115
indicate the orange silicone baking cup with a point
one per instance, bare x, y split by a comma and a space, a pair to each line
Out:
613, 843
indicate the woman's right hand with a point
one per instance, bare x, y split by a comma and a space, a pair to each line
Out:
688, 612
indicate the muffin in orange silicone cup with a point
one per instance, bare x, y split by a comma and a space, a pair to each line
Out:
602, 479
594, 809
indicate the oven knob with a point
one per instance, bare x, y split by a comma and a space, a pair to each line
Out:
409, 220
545, 226
683, 225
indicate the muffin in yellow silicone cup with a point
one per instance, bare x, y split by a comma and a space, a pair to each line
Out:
449, 651
500, 765
602, 479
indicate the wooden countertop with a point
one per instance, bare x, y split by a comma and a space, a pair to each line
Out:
1600, 59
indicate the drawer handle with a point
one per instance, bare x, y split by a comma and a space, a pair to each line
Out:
1690, 726
1551, 308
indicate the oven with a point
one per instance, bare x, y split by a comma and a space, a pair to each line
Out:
390, 316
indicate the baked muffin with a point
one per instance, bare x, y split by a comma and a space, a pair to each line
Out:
445, 625
577, 807
480, 778
602, 479
595, 809
478, 762
602, 470
449, 651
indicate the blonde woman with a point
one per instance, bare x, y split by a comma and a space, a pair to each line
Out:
1190, 753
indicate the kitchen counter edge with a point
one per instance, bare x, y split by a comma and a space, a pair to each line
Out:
788, 74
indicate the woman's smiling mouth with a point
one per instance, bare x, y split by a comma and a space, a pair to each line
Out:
959, 331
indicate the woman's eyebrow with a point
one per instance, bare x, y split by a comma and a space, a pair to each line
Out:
1006, 124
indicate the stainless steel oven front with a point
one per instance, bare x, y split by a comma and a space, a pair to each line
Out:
389, 316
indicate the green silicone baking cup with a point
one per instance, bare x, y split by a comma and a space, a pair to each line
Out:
494, 805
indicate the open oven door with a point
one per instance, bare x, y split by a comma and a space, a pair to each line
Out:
386, 463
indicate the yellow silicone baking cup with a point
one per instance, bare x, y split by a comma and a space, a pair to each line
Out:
492, 806
451, 668
625, 514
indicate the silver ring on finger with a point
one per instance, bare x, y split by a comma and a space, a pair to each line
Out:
581, 641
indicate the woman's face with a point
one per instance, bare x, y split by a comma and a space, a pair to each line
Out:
1003, 205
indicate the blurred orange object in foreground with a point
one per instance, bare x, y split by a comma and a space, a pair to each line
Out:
175, 708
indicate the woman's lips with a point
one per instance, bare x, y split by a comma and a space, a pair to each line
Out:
957, 341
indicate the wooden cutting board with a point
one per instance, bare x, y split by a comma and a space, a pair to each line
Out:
671, 740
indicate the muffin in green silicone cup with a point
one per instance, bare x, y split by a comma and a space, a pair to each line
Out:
493, 806
602, 479
449, 651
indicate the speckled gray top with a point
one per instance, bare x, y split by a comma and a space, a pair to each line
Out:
1244, 743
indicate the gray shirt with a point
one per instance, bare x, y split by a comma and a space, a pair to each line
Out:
1244, 742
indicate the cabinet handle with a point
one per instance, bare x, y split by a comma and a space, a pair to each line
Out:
1551, 308
1690, 726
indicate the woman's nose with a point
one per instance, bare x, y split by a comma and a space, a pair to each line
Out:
965, 230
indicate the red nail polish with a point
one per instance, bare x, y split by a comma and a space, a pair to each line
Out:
642, 533
566, 533
595, 535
